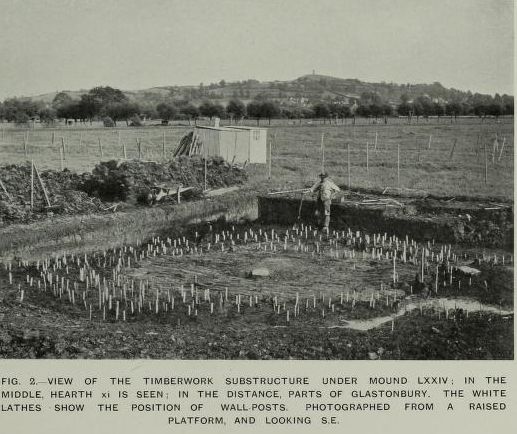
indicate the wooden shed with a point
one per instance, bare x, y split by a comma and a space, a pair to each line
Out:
235, 144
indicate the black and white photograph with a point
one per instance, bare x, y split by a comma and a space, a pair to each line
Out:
257, 180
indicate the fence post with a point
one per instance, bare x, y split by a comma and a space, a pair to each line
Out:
205, 172
398, 165
25, 140
270, 155
367, 158
163, 146
486, 165
61, 158
63, 148
502, 149
322, 153
348, 158
32, 184
453, 148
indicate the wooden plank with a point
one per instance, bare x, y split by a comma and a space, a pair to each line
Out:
5, 190
221, 191
42, 185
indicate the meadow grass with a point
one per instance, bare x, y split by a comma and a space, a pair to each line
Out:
297, 154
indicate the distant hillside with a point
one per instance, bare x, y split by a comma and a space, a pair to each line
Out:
304, 90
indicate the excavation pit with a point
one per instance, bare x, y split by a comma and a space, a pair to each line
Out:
190, 296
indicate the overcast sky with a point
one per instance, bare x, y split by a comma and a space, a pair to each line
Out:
49, 45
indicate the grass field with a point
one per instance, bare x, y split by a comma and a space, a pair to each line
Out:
443, 158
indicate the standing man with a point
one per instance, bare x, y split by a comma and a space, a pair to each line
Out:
325, 189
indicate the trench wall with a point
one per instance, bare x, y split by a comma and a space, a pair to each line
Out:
94, 232
444, 228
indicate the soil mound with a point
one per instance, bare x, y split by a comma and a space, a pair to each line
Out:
115, 180
62, 188
71, 193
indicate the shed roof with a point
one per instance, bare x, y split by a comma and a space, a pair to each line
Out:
215, 128
242, 127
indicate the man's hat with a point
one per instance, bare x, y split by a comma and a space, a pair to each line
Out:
324, 175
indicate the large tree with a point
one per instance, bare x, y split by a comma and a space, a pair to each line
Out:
72, 110
107, 95
236, 109
97, 100
321, 110
47, 115
21, 110
254, 110
61, 99
339, 110
270, 110
453, 109
122, 111
190, 111
89, 107
166, 111
405, 109
210, 109
376, 110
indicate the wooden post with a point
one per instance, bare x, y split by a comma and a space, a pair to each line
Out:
63, 149
139, 146
2, 186
436, 281
41, 184
25, 139
100, 148
348, 158
486, 166
205, 173
375, 141
322, 153
394, 268
453, 148
124, 150
422, 270
502, 148
270, 157
32, 185
367, 162
163, 147
80, 141
179, 194
429, 143
61, 158
398, 166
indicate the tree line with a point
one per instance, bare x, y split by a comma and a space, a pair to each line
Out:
112, 106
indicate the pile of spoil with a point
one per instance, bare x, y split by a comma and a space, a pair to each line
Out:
123, 180
110, 181
62, 188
